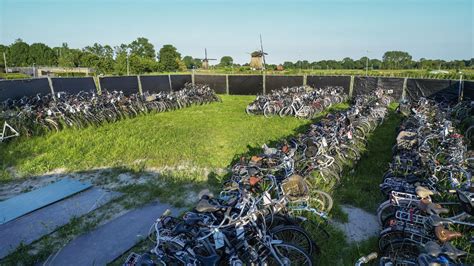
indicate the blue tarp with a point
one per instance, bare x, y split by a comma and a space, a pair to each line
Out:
20, 205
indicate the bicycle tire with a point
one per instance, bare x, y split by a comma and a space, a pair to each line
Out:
295, 235
290, 255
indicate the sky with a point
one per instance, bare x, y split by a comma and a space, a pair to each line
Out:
291, 30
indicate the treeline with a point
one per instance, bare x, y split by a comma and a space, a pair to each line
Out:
105, 59
390, 60
143, 58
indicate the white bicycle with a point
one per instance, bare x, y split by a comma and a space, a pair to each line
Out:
8, 132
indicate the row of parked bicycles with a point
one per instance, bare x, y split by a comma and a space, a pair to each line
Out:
427, 218
301, 102
260, 217
45, 113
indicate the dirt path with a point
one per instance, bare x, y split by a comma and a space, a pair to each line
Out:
361, 226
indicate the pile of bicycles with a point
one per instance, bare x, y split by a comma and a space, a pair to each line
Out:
428, 217
301, 102
40, 114
259, 216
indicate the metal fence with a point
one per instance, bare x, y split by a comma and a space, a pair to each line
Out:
400, 88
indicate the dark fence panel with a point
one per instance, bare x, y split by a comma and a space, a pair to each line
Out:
246, 84
468, 91
278, 82
155, 84
178, 81
326, 81
127, 84
391, 86
437, 89
216, 82
74, 85
364, 85
16, 89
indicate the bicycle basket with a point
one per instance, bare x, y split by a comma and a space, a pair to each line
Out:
295, 188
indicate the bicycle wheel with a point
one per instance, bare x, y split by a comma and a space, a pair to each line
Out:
320, 197
288, 254
294, 235
402, 250
269, 111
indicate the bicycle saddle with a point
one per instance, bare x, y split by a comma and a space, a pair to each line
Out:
205, 206
423, 192
445, 235
452, 252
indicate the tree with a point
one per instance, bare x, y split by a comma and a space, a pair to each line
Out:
3, 49
191, 63
143, 48
226, 61
169, 58
140, 65
188, 61
396, 60
69, 57
348, 63
197, 62
361, 63
98, 57
120, 66
288, 65
18, 53
42, 55
375, 64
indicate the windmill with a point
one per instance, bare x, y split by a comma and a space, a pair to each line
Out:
257, 60
205, 60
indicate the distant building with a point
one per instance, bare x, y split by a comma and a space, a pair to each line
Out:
256, 60
280, 67
39, 71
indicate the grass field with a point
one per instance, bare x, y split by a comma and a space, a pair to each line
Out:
200, 138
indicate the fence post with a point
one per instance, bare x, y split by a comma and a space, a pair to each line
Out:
227, 83
305, 79
50, 82
139, 85
351, 86
264, 83
97, 85
461, 89
192, 77
404, 89
169, 79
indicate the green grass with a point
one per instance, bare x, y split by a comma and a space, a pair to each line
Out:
360, 186
198, 137
14, 76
